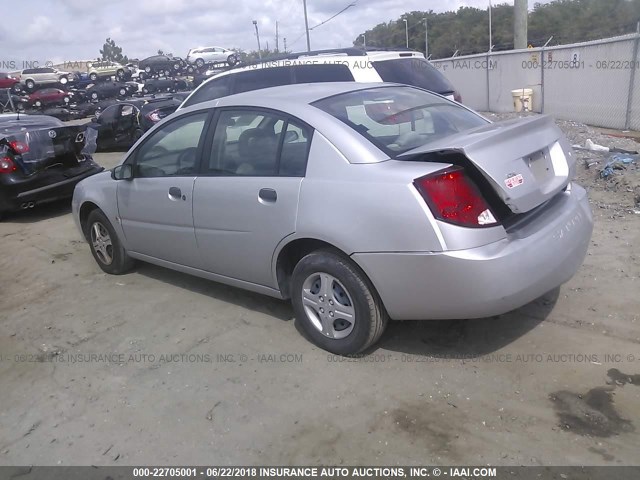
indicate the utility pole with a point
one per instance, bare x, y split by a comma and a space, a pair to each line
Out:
285, 44
277, 39
520, 12
306, 25
490, 29
426, 39
255, 24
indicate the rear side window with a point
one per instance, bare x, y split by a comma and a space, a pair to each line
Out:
398, 119
220, 87
316, 73
416, 72
262, 78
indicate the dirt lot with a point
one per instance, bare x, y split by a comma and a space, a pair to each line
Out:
156, 367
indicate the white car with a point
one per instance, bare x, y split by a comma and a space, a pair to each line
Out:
202, 56
340, 65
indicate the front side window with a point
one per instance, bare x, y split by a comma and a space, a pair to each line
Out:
171, 151
399, 119
248, 143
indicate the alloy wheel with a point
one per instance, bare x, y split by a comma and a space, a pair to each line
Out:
328, 305
101, 242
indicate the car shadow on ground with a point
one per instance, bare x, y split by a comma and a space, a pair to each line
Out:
38, 213
445, 338
466, 338
279, 309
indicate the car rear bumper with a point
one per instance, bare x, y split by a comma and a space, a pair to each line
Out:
488, 280
32, 191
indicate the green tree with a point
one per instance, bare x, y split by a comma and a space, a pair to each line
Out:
467, 29
110, 51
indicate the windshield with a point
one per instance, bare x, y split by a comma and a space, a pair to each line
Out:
399, 119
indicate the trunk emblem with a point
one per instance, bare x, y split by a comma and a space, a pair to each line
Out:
514, 180
52, 134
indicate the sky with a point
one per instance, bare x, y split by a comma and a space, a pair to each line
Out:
69, 30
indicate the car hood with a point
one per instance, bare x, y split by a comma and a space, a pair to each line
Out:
527, 161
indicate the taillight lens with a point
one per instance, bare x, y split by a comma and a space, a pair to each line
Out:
457, 97
155, 116
453, 198
19, 147
7, 165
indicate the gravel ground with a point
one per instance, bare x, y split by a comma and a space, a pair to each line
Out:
193, 372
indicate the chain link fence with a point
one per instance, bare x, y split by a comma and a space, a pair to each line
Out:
595, 82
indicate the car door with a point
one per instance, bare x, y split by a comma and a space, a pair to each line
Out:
155, 207
126, 122
243, 204
49, 76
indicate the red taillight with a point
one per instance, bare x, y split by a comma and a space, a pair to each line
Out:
453, 198
154, 116
457, 97
19, 147
7, 165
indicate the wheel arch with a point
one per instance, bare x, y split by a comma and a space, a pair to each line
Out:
289, 253
83, 215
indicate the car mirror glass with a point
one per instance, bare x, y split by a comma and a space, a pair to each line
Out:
122, 172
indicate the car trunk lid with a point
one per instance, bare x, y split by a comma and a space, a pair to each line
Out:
526, 161
43, 148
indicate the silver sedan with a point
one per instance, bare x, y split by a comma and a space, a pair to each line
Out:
359, 202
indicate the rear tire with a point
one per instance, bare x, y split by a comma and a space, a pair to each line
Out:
105, 245
335, 303
30, 84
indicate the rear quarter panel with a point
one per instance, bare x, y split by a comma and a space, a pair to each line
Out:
364, 207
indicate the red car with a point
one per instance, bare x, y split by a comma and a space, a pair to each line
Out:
49, 96
7, 81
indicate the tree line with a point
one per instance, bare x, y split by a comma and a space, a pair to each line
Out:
466, 31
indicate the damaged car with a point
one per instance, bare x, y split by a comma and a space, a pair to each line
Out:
161, 64
41, 160
123, 123
360, 203
49, 96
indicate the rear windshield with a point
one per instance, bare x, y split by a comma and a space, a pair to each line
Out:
416, 72
399, 119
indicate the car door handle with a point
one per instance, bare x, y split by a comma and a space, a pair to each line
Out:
268, 195
176, 194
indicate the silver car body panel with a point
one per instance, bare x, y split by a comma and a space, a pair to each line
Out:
236, 230
488, 280
155, 223
358, 200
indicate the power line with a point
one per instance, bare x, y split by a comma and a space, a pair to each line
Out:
353, 4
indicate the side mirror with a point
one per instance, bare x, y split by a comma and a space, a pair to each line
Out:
122, 172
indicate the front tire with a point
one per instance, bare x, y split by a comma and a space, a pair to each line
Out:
335, 304
105, 246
